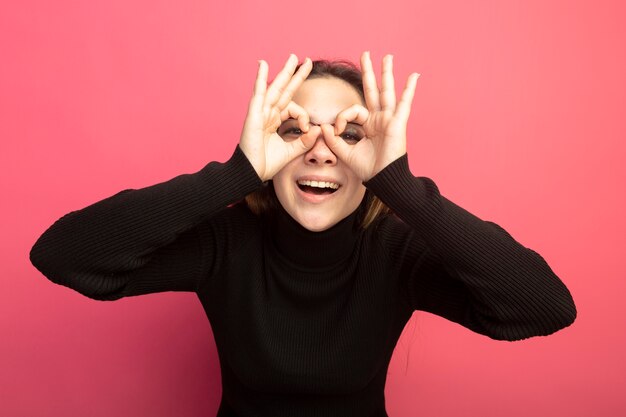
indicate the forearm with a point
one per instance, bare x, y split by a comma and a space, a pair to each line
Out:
514, 292
113, 237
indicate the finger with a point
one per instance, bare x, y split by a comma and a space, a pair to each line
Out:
355, 113
296, 81
406, 100
261, 78
388, 89
307, 140
280, 82
303, 143
334, 142
294, 111
370, 88
260, 86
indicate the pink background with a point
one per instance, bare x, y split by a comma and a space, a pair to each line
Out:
519, 118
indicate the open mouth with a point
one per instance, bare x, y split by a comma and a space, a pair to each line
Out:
318, 187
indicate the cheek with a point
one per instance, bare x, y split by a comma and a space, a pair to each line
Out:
284, 179
360, 193
281, 183
354, 198
357, 184
279, 186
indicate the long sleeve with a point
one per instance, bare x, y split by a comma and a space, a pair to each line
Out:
144, 240
472, 271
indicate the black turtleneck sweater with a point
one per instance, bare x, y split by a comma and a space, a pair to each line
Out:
306, 322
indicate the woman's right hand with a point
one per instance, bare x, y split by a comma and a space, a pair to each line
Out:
269, 107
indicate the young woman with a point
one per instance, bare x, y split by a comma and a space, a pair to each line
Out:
306, 276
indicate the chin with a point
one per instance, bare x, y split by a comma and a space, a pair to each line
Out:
315, 223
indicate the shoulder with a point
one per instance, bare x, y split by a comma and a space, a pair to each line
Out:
396, 238
231, 225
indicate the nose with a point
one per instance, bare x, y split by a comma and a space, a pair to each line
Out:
320, 153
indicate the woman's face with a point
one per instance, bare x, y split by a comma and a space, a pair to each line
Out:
313, 207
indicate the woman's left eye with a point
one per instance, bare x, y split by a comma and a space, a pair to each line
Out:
353, 133
350, 138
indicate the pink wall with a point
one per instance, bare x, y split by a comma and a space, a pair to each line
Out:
519, 117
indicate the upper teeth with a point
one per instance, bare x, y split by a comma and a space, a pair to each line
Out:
319, 184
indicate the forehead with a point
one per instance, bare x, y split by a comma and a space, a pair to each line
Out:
324, 98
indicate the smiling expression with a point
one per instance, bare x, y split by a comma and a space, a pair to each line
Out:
317, 189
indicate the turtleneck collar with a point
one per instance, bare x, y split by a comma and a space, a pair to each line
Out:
313, 249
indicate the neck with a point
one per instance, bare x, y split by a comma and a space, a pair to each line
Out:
313, 249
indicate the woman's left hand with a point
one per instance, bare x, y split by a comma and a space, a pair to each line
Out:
384, 122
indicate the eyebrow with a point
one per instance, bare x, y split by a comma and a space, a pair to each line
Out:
317, 124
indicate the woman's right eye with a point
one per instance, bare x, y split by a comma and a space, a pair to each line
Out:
289, 130
293, 131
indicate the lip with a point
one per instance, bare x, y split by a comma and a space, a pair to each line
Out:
317, 178
316, 198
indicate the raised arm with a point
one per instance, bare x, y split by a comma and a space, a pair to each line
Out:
472, 271
150, 240
144, 240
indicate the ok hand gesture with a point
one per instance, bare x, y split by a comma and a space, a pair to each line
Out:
384, 122
269, 106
